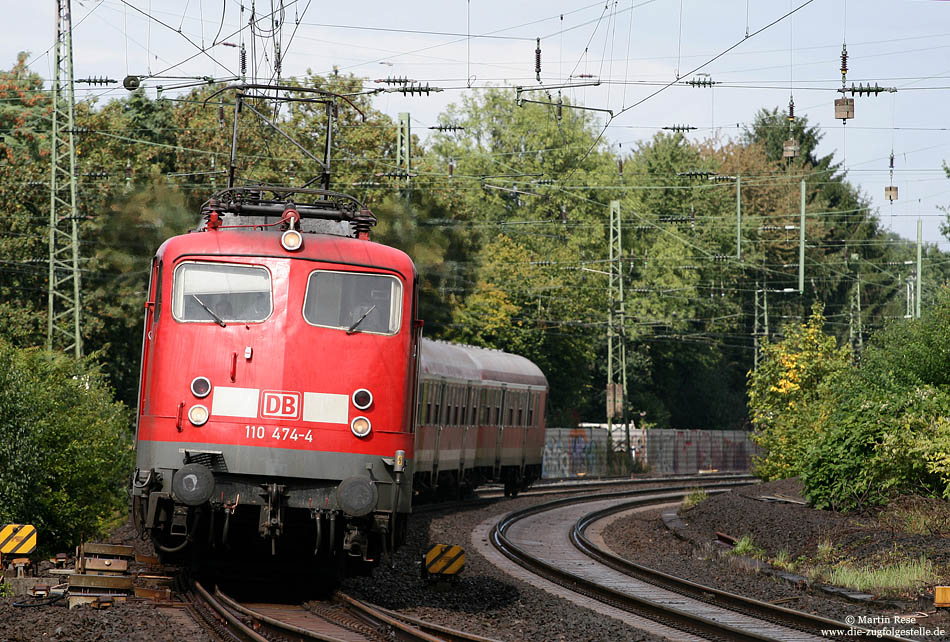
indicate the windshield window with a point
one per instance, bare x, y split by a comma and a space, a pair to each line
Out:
232, 292
342, 299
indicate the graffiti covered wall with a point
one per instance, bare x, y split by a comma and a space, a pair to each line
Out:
689, 451
582, 452
574, 452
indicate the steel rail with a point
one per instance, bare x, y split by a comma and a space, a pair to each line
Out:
661, 613
569, 486
392, 627
373, 612
561, 488
229, 617
444, 632
791, 618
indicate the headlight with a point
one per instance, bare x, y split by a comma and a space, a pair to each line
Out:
200, 387
362, 398
360, 426
198, 415
291, 240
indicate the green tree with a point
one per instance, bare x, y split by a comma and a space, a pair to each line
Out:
65, 449
24, 204
525, 180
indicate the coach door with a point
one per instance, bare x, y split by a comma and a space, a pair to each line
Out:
499, 441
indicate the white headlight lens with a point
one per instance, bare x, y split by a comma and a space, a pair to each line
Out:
198, 415
360, 426
291, 240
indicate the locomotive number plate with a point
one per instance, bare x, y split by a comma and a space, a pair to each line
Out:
277, 434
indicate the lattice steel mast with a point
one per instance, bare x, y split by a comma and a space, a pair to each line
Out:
616, 336
63, 318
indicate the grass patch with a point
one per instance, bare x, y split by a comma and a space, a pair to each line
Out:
6, 590
784, 561
826, 552
900, 577
917, 516
694, 497
745, 546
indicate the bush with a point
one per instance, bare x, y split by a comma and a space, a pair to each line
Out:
873, 443
65, 447
785, 394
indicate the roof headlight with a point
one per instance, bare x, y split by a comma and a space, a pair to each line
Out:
361, 427
200, 387
362, 398
198, 415
291, 240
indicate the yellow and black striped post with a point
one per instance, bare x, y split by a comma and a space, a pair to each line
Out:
444, 560
17, 539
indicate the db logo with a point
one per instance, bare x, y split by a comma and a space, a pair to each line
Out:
278, 403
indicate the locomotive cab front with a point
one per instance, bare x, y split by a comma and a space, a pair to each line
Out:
275, 415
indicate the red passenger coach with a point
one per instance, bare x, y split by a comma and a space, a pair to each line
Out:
481, 418
280, 383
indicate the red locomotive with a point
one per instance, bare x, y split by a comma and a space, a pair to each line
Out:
289, 409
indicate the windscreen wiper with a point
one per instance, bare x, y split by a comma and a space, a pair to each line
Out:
353, 327
214, 316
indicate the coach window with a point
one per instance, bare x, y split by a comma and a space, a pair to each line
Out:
353, 301
531, 404
428, 394
221, 292
456, 400
420, 404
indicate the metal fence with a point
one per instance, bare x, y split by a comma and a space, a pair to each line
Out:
589, 451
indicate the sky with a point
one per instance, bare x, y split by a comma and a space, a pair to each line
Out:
634, 47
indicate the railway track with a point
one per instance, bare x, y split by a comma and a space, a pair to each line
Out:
549, 540
574, 486
339, 619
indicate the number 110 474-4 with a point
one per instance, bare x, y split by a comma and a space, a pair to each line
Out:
279, 434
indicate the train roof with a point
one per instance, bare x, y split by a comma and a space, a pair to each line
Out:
316, 247
455, 360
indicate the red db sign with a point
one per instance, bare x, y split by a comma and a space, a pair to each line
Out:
281, 404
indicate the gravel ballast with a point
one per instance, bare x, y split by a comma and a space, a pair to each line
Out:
774, 527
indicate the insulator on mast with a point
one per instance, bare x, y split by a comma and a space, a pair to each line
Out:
680, 128
844, 107
844, 63
702, 82
537, 61
790, 147
890, 192
243, 57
